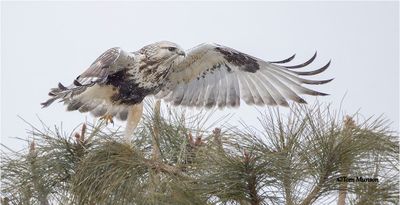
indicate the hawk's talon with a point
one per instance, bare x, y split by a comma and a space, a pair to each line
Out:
107, 119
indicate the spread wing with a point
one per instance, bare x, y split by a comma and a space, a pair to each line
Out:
101, 67
215, 75
85, 93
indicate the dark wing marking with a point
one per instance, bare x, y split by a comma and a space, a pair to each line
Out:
215, 75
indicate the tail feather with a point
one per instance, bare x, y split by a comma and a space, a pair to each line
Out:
48, 102
64, 93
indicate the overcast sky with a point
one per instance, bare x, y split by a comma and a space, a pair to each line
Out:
49, 42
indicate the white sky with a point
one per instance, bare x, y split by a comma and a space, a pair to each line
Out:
49, 42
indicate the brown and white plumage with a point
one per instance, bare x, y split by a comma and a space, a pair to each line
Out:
205, 76
215, 75
90, 91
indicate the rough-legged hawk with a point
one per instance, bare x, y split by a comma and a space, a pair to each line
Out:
207, 75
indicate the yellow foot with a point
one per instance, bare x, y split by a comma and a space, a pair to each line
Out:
107, 119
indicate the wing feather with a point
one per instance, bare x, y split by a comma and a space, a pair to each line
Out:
178, 95
245, 90
203, 90
89, 92
197, 92
214, 75
286, 90
266, 92
254, 91
209, 96
221, 102
217, 88
237, 89
231, 96
189, 93
169, 96
294, 82
101, 67
107, 63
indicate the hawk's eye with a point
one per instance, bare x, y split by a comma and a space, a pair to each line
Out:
171, 49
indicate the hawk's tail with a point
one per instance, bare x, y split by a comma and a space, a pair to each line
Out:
63, 93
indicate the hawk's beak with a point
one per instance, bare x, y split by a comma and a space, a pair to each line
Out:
181, 53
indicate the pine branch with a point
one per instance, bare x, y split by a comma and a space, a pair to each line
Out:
156, 153
251, 178
349, 125
317, 189
295, 159
37, 184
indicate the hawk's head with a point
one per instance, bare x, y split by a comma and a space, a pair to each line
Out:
162, 51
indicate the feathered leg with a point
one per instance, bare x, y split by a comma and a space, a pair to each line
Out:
134, 116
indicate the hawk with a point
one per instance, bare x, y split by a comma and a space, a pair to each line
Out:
208, 75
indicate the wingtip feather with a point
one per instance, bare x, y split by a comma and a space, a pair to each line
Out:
285, 60
303, 64
61, 86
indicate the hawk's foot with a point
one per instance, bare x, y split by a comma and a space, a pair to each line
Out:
107, 119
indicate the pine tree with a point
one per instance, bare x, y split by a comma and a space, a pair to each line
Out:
302, 158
